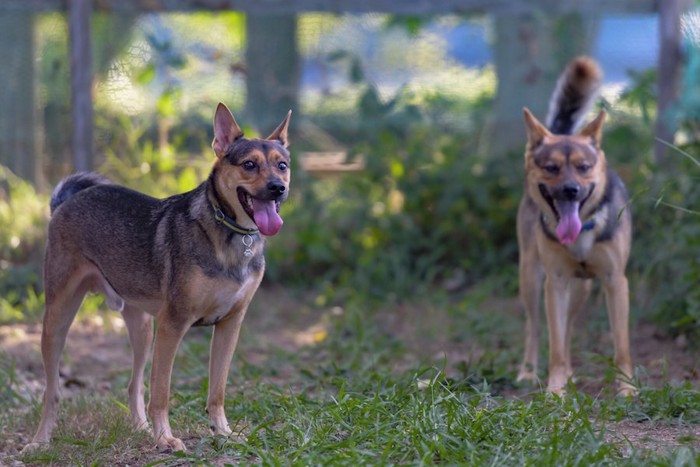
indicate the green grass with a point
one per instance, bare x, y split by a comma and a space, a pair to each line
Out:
413, 419
359, 397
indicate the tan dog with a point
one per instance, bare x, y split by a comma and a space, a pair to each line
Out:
194, 259
573, 225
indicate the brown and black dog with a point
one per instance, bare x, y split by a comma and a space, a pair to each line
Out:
573, 225
193, 259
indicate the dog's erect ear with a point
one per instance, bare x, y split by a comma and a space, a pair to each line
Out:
226, 130
535, 130
594, 130
280, 133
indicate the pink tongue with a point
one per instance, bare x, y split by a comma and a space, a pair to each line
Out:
569, 223
266, 217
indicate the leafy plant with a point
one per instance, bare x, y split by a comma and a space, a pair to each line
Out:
666, 213
23, 217
424, 206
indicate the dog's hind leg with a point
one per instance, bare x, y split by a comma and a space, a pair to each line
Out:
65, 288
580, 290
531, 279
140, 327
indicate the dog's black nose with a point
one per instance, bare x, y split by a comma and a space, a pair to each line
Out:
276, 188
570, 190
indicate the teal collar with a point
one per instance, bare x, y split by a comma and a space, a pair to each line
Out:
229, 223
588, 225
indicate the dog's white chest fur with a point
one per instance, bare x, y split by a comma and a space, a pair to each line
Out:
214, 300
583, 245
224, 299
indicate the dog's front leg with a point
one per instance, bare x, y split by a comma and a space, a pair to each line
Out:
556, 304
580, 290
617, 301
223, 345
531, 278
169, 333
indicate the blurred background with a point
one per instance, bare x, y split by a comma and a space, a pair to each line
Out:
407, 134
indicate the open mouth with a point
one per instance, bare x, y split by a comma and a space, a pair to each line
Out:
567, 213
265, 213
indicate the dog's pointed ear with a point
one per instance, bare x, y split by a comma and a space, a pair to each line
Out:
594, 130
226, 130
281, 132
535, 130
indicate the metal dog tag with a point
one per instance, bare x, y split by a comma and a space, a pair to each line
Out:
247, 242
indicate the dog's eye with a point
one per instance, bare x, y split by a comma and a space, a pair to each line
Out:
584, 168
249, 165
551, 169
282, 166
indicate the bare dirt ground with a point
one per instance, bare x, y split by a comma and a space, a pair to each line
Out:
98, 348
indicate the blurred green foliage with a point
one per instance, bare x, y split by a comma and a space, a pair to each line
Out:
664, 267
23, 218
429, 210
426, 205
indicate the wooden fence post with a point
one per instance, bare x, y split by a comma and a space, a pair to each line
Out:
669, 69
79, 12
18, 136
273, 69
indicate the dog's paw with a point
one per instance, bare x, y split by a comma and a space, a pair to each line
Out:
627, 390
556, 388
222, 430
170, 443
527, 376
141, 425
218, 423
31, 447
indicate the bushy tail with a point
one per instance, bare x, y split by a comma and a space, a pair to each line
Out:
73, 184
574, 95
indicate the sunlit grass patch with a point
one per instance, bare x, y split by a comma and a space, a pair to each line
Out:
373, 392
91, 431
352, 413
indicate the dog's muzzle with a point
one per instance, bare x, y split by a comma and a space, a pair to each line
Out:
277, 190
568, 191
566, 201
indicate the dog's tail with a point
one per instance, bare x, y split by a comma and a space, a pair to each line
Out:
73, 184
574, 95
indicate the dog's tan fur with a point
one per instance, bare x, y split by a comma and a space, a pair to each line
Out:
561, 169
168, 259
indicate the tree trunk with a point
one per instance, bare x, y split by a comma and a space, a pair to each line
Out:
111, 32
79, 15
18, 144
530, 52
273, 70
669, 74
